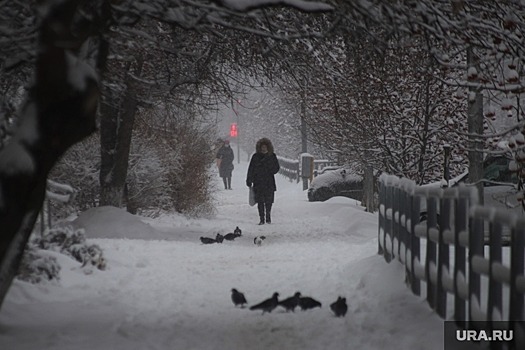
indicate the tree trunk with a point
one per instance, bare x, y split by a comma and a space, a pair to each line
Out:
116, 128
475, 127
59, 111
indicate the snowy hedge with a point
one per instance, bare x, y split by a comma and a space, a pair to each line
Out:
37, 265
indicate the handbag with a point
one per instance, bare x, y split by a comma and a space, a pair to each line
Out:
251, 197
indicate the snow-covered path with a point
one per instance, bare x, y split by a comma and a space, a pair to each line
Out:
174, 293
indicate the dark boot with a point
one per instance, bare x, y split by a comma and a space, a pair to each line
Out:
268, 211
260, 207
225, 183
229, 183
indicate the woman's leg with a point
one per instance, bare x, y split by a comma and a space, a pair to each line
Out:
260, 207
225, 183
268, 207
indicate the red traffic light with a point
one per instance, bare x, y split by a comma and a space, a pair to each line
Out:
233, 130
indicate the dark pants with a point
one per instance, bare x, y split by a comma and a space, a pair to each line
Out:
227, 182
264, 212
264, 199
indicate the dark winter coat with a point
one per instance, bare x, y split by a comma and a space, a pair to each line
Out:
261, 172
225, 154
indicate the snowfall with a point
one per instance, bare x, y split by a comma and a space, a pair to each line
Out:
164, 289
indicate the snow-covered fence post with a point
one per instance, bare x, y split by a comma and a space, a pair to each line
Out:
432, 235
396, 215
55, 192
460, 245
414, 247
517, 274
386, 217
59, 111
443, 268
476, 253
307, 169
368, 189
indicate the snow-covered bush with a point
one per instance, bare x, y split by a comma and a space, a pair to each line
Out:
340, 182
36, 267
72, 242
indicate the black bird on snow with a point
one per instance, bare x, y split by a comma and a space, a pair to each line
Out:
206, 240
308, 303
218, 239
339, 307
237, 231
238, 298
231, 236
291, 303
267, 305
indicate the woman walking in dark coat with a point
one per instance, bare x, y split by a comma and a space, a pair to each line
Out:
263, 166
225, 164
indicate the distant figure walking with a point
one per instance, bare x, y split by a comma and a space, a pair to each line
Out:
263, 166
225, 164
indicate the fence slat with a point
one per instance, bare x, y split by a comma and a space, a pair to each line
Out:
517, 272
414, 244
431, 251
443, 256
460, 286
476, 241
495, 299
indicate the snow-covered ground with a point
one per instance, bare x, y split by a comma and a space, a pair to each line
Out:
163, 289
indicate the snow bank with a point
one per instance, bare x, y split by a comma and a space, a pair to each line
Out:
108, 222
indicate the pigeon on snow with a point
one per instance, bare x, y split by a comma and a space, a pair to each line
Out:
218, 239
238, 298
231, 236
207, 240
237, 231
267, 305
308, 303
339, 307
291, 303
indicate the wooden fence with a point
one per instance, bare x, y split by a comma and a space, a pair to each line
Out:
484, 279
291, 168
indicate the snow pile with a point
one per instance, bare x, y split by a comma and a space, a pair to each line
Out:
109, 222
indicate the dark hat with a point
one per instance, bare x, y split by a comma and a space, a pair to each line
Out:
227, 142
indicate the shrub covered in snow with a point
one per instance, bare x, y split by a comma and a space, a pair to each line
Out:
340, 182
72, 242
65, 240
36, 267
